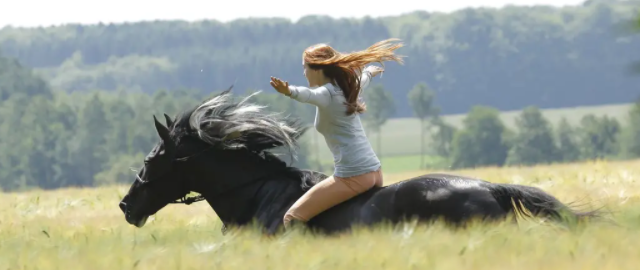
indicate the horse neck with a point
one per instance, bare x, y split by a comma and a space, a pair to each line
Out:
275, 197
236, 206
260, 190
265, 201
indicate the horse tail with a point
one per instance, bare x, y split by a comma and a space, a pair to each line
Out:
532, 201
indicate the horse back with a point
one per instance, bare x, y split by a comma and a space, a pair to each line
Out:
393, 202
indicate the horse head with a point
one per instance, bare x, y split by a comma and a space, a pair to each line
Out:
219, 141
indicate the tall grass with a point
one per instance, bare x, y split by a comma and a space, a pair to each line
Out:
84, 229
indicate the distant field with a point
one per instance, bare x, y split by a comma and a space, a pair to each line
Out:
84, 229
401, 137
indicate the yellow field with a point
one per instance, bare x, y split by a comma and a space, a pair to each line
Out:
84, 229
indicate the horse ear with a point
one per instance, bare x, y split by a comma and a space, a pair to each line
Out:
168, 120
163, 131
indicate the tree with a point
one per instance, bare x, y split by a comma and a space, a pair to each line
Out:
567, 142
380, 107
14, 78
442, 138
421, 102
481, 142
534, 142
29, 128
90, 154
630, 139
598, 137
636, 28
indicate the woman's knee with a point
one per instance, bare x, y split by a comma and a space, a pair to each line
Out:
293, 214
287, 219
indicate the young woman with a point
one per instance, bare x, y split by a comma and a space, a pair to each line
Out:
336, 80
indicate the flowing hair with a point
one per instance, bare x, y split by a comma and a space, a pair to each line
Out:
344, 69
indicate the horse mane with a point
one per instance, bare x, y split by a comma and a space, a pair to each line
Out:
222, 122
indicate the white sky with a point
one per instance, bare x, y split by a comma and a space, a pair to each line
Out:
53, 12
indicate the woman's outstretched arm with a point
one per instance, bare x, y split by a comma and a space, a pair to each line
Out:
319, 96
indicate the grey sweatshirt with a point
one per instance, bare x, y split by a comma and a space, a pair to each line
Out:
344, 134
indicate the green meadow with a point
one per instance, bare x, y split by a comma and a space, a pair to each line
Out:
76, 228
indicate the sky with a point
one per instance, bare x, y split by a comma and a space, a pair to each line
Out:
31, 13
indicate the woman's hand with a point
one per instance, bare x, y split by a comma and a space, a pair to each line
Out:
281, 86
374, 70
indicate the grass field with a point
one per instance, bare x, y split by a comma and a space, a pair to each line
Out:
401, 137
84, 229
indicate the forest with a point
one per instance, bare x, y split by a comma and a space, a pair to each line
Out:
506, 58
77, 101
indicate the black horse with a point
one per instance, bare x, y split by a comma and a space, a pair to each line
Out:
219, 149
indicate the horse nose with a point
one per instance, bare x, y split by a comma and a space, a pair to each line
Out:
123, 207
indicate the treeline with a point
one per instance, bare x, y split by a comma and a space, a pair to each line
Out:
52, 139
484, 140
505, 58
60, 128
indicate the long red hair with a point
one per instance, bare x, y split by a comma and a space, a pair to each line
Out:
345, 68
